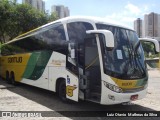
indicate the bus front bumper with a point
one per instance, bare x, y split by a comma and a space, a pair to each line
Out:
109, 97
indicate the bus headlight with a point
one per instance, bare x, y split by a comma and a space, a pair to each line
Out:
113, 87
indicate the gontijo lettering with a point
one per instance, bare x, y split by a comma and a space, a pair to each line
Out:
15, 60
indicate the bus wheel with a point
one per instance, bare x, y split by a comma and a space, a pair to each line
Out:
7, 78
12, 79
62, 91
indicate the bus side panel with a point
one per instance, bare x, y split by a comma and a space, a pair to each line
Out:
57, 69
15, 63
37, 70
72, 86
42, 82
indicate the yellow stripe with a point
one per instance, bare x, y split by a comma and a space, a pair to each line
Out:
125, 84
27, 32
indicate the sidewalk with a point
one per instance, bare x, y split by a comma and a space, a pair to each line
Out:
154, 73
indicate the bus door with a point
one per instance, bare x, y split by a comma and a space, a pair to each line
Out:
89, 68
72, 79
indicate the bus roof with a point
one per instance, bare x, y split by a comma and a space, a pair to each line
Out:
72, 19
89, 19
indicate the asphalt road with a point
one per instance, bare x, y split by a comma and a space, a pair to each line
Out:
28, 98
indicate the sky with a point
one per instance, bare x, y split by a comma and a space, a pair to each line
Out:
121, 12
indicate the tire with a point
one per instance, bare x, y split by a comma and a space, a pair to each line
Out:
7, 78
12, 79
62, 91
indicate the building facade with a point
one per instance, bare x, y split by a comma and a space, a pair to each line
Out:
61, 11
152, 25
38, 4
138, 27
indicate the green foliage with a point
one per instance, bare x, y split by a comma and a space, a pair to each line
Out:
16, 19
149, 50
53, 16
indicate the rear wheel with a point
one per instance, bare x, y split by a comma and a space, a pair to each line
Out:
7, 78
12, 78
62, 91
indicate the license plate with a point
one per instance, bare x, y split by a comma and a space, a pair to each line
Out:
134, 97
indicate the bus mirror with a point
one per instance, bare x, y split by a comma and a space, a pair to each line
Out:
154, 41
108, 36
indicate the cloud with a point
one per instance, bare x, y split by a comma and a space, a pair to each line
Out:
120, 19
126, 17
133, 9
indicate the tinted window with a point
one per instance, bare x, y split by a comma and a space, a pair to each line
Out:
77, 34
77, 30
49, 38
124, 61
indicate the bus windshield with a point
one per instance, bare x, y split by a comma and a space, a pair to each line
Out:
126, 60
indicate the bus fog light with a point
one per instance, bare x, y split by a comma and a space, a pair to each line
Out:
112, 87
111, 97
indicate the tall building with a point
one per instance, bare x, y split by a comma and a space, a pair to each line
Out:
138, 27
38, 4
152, 25
43, 5
61, 11
67, 12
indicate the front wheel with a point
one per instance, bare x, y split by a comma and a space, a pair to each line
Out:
62, 91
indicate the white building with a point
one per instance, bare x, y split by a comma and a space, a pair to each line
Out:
61, 11
38, 4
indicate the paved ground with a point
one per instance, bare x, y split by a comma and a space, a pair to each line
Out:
27, 98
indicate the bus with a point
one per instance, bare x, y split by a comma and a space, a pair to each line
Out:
79, 58
153, 59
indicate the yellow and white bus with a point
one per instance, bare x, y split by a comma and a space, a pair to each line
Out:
79, 58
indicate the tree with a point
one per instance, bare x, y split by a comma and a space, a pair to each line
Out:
28, 18
149, 49
52, 17
16, 19
6, 10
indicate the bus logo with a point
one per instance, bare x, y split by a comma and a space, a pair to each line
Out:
15, 60
70, 89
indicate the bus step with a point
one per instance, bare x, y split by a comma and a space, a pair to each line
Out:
95, 101
95, 97
97, 89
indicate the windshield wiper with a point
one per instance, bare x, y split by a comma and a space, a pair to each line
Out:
136, 46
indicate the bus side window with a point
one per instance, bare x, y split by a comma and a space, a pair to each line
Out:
55, 34
77, 34
48, 38
77, 30
55, 38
